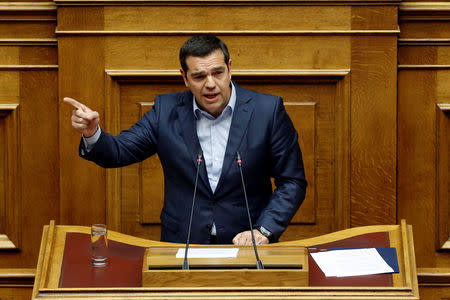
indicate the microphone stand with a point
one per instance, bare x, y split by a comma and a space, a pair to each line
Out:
259, 264
185, 262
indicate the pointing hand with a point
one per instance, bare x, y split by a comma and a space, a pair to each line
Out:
84, 120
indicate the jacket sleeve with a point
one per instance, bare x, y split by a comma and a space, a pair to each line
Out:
288, 172
130, 146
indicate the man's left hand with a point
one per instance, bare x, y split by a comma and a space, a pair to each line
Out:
245, 238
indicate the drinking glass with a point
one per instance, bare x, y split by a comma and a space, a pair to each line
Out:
99, 245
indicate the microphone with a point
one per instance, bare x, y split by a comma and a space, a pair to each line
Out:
259, 264
185, 262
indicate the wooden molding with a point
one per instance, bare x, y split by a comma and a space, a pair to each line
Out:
226, 32
113, 176
29, 42
27, 67
425, 67
443, 176
27, 6
424, 11
10, 237
17, 277
6, 243
27, 12
424, 42
331, 73
433, 276
226, 2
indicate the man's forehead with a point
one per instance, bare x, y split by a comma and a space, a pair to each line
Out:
212, 61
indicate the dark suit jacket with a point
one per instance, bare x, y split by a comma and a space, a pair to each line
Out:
263, 133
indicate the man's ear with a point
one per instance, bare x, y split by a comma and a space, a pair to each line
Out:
229, 67
184, 77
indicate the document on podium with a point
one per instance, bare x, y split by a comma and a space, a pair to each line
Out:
209, 252
351, 262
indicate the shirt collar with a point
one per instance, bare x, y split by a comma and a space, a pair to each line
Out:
229, 108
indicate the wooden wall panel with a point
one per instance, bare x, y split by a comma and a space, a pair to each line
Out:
231, 19
365, 82
141, 190
443, 175
32, 170
29, 133
82, 184
10, 183
423, 151
373, 142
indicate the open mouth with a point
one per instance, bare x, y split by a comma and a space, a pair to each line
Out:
211, 97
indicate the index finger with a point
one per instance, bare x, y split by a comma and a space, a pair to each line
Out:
73, 102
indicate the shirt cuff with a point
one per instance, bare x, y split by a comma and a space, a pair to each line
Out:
89, 142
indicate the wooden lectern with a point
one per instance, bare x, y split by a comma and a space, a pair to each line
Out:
64, 270
284, 265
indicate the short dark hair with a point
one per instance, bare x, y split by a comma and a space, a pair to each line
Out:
200, 46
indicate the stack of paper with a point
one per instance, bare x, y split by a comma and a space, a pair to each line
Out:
351, 262
208, 252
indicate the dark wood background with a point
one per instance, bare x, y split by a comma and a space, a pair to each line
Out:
367, 84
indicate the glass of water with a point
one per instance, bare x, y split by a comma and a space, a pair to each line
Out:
99, 245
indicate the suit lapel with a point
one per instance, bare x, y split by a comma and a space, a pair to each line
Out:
189, 133
241, 117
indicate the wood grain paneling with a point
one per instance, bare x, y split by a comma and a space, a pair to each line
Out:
151, 197
373, 142
30, 169
443, 175
422, 158
16, 283
82, 184
315, 100
10, 204
228, 18
372, 155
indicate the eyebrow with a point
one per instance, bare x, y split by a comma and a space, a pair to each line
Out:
220, 68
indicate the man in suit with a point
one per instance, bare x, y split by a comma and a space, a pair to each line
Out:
218, 118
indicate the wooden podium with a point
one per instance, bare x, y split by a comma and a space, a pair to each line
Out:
284, 265
64, 271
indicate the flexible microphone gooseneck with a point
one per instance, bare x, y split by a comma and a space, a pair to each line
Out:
185, 262
259, 264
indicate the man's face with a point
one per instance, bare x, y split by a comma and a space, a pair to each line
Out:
209, 78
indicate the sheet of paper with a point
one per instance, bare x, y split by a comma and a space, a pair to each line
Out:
352, 262
208, 252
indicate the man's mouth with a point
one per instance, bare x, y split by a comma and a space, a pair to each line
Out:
211, 96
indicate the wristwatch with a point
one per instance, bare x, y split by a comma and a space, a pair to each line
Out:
265, 232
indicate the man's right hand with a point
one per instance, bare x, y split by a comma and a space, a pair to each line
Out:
84, 120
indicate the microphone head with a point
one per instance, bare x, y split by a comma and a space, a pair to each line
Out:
200, 157
238, 156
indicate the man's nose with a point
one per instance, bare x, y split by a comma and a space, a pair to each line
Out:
210, 83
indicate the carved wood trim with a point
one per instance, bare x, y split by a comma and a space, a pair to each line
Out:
433, 277
17, 277
27, 6
142, 74
27, 67
29, 42
226, 2
226, 32
27, 12
423, 42
443, 176
424, 11
11, 207
426, 67
341, 77
113, 187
